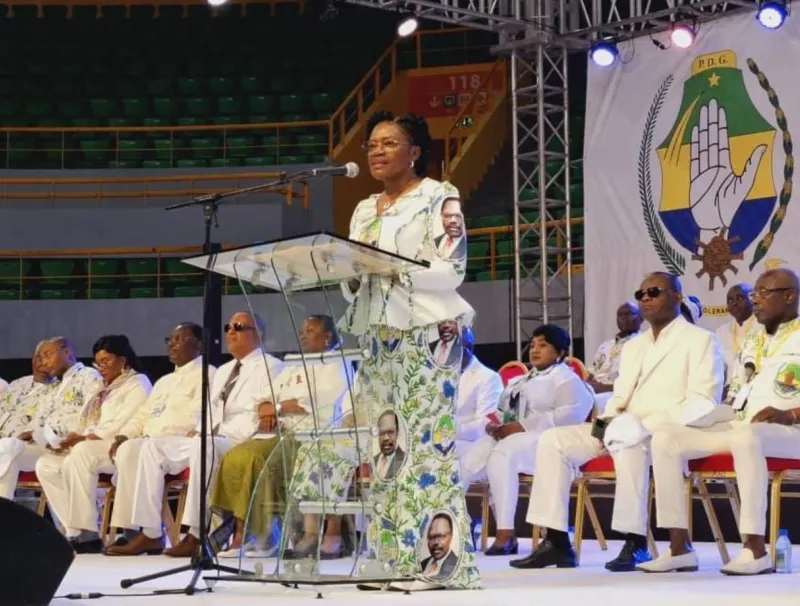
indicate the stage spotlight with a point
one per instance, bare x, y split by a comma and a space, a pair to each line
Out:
216, 2
771, 14
682, 34
407, 26
604, 53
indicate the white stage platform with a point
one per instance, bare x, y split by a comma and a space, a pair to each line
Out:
589, 584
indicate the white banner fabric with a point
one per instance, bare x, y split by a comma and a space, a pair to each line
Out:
689, 166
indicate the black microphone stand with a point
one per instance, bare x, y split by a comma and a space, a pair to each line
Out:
205, 559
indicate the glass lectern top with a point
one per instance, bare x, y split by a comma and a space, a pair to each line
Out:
305, 262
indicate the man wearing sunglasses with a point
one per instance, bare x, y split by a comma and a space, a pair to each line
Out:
766, 403
237, 389
673, 372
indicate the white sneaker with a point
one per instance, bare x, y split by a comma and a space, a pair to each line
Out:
669, 563
230, 553
746, 564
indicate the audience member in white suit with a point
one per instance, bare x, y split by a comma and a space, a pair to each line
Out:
174, 407
605, 364
733, 334
239, 386
671, 373
551, 395
69, 474
58, 412
479, 391
766, 411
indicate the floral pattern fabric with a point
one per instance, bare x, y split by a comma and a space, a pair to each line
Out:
21, 401
62, 407
402, 375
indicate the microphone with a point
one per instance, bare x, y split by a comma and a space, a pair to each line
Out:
349, 170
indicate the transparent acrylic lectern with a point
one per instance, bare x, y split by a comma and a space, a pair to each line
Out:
314, 467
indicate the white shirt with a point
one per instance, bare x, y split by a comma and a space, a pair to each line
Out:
20, 402
605, 365
553, 397
409, 228
122, 408
777, 379
61, 409
479, 391
320, 394
174, 403
731, 337
237, 420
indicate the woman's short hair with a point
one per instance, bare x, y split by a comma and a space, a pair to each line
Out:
416, 129
329, 326
555, 336
118, 345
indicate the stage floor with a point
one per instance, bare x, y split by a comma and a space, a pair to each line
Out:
589, 584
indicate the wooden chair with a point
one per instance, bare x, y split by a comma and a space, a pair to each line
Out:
28, 481
718, 469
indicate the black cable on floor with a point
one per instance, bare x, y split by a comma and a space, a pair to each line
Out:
97, 595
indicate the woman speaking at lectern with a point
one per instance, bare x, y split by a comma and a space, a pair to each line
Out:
410, 327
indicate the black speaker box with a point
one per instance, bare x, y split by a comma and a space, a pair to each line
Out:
34, 557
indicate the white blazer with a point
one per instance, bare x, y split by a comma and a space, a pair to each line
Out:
657, 378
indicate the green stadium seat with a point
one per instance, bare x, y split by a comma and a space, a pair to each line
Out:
125, 164
189, 87
127, 88
225, 162
71, 109
292, 104
188, 291
312, 143
190, 121
178, 271
103, 293
191, 163
229, 105
141, 270
157, 123
95, 150
144, 292
493, 221
279, 83
486, 276
59, 294
198, 106
166, 149
159, 87
85, 123
312, 81
260, 104
102, 108
227, 120
121, 122
251, 84
136, 108
298, 118
101, 271
260, 161
9, 295
220, 86
477, 250
156, 164
240, 147
130, 149
317, 159
57, 271
323, 102
206, 147
235, 288
165, 107
292, 159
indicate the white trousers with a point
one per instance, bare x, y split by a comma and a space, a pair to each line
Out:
70, 483
127, 460
749, 443
171, 455
561, 452
25, 461
502, 462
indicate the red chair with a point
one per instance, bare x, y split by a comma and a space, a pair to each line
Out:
600, 471
512, 370
578, 366
719, 469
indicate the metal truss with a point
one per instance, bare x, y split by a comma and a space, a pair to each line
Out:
487, 15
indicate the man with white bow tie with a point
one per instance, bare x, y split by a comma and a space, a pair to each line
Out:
237, 389
671, 373
766, 406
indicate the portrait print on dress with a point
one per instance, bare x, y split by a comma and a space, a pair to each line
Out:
439, 550
445, 344
449, 235
392, 446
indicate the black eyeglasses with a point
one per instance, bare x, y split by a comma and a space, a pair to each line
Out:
237, 327
652, 293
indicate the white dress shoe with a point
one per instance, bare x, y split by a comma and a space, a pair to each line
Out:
669, 563
746, 564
